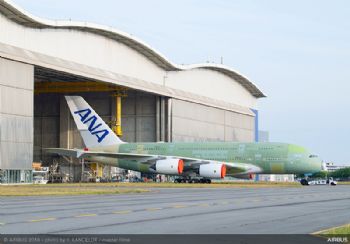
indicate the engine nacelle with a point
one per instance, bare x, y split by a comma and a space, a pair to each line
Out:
172, 166
212, 170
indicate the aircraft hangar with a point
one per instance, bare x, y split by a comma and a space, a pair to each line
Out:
140, 93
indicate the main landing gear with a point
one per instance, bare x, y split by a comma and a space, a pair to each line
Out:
193, 180
304, 182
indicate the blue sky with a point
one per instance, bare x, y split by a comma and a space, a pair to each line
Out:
297, 52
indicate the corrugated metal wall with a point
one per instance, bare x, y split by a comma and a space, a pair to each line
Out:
196, 122
139, 117
16, 115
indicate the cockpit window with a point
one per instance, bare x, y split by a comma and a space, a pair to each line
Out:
313, 156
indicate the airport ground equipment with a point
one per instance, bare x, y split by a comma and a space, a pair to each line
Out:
328, 181
40, 174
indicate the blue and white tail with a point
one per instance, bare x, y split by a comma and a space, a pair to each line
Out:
93, 129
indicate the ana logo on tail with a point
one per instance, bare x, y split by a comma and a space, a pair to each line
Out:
91, 121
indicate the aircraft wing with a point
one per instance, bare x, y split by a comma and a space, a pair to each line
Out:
149, 158
235, 169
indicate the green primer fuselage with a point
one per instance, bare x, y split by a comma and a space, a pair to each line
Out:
271, 158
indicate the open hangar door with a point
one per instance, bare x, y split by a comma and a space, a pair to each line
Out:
54, 127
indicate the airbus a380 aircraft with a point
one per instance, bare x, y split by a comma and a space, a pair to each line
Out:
206, 160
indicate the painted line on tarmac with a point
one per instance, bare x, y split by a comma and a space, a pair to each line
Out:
153, 209
85, 215
179, 206
122, 212
40, 220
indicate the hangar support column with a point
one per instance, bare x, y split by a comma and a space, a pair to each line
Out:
16, 121
169, 116
163, 119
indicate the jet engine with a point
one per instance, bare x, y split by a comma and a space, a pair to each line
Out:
173, 166
212, 170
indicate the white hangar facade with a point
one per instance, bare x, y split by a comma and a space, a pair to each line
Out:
131, 85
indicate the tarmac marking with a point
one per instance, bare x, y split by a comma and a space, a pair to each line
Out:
45, 204
85, 215
153, 209
179, 206
40, 220
122, 212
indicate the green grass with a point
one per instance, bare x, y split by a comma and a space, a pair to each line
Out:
64, 189
343, 182
340, 230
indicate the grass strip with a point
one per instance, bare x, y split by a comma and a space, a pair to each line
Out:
57, 190
340, 230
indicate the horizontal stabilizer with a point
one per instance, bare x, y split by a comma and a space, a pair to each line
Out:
75, 153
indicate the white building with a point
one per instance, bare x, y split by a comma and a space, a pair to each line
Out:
276, 178
333, 167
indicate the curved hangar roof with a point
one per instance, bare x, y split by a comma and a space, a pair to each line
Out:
22, 17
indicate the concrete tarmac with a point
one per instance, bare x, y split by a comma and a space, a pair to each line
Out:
181, 211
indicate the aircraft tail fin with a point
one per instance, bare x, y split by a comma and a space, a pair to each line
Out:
94, 131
